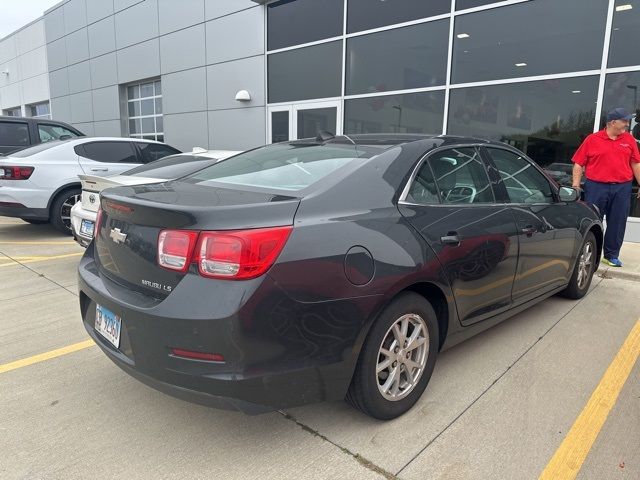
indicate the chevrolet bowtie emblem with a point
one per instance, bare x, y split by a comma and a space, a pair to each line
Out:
117, 236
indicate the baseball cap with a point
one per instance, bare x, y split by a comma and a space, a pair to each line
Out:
618, 114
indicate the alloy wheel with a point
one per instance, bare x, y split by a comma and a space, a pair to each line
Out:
584, 265
65, 210
402, 357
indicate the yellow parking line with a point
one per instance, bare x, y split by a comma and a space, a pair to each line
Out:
570, 456
7, 367
38, 259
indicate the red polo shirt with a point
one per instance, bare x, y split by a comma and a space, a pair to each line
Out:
607, 160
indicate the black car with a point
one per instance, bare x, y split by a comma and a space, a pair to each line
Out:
328, 268
17, 133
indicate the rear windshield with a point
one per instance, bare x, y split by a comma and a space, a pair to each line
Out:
175, 166
41, 147
289, 166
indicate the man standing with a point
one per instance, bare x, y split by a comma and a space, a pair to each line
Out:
610, 159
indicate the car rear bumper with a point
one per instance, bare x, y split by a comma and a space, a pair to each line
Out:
77, 215
279, 353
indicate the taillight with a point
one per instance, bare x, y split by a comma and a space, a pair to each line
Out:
239, 254
175, 248
98, 222
15, 173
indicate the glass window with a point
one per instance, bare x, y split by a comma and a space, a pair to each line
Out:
286, 166
399, 59
48, 132
523, 182
365, 14
14, 134
110, 152
13, 112
301, 21
306, 73
39, 110
546, 119
461, 176
312, 121
495, 43
621, 90
408, 113
463, 4
623, 48
144, 106
423, 189
279, 126
152, 151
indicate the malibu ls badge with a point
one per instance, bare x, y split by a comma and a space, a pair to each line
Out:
117, 236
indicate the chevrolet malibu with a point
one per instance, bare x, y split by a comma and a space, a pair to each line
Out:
328, 268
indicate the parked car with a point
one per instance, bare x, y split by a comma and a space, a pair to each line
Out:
327, 268
17, 133
83, 213
40, 184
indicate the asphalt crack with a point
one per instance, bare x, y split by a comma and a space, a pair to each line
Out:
42, 275
368, 464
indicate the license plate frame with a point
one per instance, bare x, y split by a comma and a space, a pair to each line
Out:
108, 325
87, 227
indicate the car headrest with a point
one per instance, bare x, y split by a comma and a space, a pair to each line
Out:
444, 169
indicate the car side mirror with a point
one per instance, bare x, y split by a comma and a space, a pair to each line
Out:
568, 194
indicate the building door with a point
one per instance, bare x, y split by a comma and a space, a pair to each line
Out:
304, 120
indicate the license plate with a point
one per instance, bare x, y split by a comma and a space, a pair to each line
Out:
108, 325
86, 228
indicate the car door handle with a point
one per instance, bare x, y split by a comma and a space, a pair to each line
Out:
450, 238
99, 169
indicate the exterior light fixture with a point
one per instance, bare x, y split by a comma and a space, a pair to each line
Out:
243, 96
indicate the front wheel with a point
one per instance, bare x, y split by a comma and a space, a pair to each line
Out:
61, 210
584, 269
397, 359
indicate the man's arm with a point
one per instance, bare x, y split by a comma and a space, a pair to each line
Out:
636, 172
577, 174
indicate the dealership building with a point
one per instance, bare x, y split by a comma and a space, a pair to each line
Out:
234, 74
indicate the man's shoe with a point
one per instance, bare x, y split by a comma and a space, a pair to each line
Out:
612, 262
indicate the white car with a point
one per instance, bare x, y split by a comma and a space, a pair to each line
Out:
84, 212
40, 184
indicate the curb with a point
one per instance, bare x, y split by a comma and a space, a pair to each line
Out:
608, 273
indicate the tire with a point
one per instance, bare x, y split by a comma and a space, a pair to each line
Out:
584, 269
367, 389
34, 222
61, 210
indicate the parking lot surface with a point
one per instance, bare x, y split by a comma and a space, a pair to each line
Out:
507, 404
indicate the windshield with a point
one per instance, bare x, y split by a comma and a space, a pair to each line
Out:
41, 147
291, 166
171, 167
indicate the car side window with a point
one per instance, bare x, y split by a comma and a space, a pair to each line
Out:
523, 182
461, 176
48, 132
423, 189
110, 152
14, 134
153, 151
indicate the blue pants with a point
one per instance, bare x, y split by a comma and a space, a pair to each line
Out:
613, 200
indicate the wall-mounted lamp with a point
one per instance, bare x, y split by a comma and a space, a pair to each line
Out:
243, 96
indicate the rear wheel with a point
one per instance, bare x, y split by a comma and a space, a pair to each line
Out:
34, 222
584, 269
397, 359
61, 210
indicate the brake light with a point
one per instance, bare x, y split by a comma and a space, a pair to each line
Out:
239, 254
175, 248
15, 173
98, 222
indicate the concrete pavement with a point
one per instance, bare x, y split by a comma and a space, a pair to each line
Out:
498, 406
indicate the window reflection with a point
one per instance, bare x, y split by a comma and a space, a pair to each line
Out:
409, 113
404, 58
546, 119
495, 44
367, 14
623, 49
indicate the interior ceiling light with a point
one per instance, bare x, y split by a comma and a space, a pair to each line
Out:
463, 35
521, 64
576, 91
622, 8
